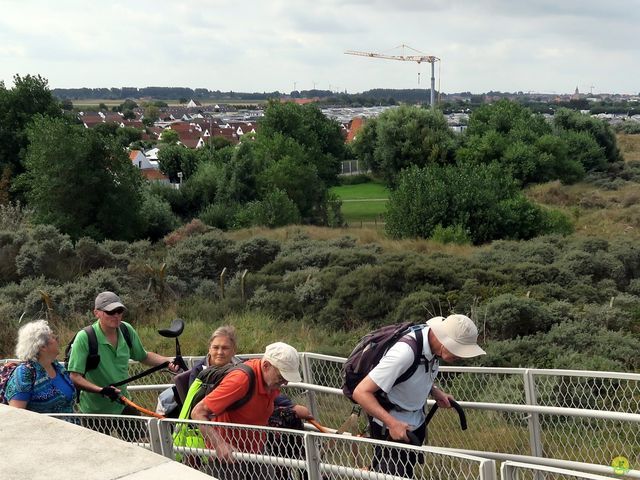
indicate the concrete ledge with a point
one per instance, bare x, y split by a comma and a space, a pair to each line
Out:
38, 447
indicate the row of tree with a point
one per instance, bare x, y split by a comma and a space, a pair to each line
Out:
82, 181
467, 186
472, 183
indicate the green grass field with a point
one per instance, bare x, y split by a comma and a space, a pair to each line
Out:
365, 202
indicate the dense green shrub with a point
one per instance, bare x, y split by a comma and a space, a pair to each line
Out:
156, 217
276, 209
10, 244
510, 316
255, 253
480, 199
420, 306
283, 305
202, 256
219, 215
47, 252
598, 129
451, 234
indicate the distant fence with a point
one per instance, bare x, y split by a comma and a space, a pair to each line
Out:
352, 167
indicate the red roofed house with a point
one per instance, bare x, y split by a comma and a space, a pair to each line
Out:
355, 126
150, 169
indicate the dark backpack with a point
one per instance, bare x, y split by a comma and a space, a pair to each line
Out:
211, 378
372, 348
6, 370
93, 358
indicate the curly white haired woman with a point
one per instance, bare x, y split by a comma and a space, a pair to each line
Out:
40, 383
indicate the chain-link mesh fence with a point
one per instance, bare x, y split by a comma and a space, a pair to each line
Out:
492, 429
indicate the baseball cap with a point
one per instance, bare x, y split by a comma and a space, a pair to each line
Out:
458, 334
107, 301
285, 358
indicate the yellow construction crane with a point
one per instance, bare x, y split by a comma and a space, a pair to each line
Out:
406, 58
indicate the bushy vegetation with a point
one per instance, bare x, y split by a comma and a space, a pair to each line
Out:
478, 199
547, 302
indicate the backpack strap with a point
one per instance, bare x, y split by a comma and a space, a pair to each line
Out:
417, 346
252, 384
93, 357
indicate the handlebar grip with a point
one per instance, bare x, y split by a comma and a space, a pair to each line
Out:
456, 406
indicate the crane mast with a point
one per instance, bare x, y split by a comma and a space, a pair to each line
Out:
405, 58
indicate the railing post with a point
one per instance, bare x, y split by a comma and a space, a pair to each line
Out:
312, 457
488, 470
242, 285
307, 377
535, 438
161, 439
506, 471
224, 272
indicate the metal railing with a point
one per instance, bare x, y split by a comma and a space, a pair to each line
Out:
573, 417
264, 453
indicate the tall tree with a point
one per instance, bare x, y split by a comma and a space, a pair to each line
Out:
405, 136
29, 96
320, 136
522, 142
80, 182
599, 130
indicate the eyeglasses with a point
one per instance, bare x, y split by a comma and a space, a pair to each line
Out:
117, 311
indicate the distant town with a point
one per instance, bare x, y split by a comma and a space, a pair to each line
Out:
228, 116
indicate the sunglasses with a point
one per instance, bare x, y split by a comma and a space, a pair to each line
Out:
116, 311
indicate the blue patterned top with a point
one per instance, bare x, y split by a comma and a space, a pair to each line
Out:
42, 394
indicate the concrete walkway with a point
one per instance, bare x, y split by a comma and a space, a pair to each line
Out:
38, 447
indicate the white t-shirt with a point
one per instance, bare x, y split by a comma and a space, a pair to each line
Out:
411, 395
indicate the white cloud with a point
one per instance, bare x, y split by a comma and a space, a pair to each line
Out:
539, 45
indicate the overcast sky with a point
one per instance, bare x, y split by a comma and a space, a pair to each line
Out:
265, 45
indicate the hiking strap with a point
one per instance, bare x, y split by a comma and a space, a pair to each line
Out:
148, 371
417, 345
93, 357
250, 391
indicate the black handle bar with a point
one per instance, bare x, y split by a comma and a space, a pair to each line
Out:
456, 406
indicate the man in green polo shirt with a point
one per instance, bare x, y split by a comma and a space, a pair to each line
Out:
96, 394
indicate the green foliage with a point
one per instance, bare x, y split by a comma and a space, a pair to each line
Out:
355, 179
451, 234
523, 142
156, 217
237, 182
29, 97
124, 136
509, 316
599, 130
79, 182
365, 144
199, 190
480, 199
169, 137
584, 148
276, 209
320, 136
403, 137
200, 256
220, 215
174, 159
628, 127
255, 253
